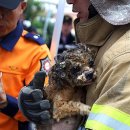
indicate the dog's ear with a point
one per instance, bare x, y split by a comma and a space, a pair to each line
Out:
81, 46
59, 58
91, 62
92, 53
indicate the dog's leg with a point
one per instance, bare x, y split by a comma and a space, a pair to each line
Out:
67, 109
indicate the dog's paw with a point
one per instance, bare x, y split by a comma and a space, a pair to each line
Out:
84, 109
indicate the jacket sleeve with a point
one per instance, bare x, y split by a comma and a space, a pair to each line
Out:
40, 62
111, 109
12, 109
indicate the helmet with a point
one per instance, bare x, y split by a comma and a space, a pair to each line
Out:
115, 12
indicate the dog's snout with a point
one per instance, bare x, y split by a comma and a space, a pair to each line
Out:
89, 75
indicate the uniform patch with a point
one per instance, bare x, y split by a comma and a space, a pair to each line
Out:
45, 65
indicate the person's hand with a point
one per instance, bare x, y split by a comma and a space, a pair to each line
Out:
33, 106
31, 101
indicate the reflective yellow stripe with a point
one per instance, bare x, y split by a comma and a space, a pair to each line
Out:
91, 124
112, 112
104, 117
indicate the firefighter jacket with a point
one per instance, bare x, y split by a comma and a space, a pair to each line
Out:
22, 54
109, 95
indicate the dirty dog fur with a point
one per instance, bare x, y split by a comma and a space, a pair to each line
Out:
73, 71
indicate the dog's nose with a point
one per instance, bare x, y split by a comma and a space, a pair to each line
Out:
89, 75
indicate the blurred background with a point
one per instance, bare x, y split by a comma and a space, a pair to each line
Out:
41, 17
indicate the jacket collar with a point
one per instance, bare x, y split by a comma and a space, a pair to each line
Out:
11, 39
94, 32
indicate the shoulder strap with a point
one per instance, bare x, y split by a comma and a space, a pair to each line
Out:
34, 37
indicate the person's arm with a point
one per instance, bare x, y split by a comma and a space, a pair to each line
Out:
111, 109
39, 62
31, 101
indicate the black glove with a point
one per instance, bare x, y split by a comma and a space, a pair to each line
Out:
33, 105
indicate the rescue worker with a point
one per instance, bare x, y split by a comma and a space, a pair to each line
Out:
22, 54
107, 31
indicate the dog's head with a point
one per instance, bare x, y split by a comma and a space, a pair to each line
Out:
73, 67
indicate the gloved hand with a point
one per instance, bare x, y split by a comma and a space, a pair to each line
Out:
33, 105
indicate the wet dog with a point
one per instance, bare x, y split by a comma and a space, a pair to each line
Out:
73, 71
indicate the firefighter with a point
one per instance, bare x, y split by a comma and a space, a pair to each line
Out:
104, 25
22, 54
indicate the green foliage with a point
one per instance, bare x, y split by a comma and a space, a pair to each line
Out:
36, 13
34, 9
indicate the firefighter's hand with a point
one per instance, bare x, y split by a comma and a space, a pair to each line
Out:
33, 106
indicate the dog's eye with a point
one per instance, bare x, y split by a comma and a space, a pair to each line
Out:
75, 69
62, 75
